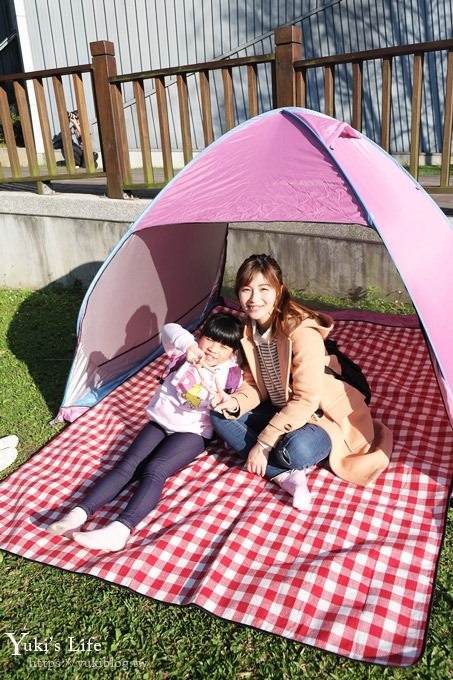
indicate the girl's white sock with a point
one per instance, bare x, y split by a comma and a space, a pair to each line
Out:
110, 538
294, 482
73, 520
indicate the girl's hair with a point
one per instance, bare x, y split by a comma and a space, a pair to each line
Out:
224, 328
286, 310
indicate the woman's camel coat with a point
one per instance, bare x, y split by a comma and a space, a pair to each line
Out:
361, 446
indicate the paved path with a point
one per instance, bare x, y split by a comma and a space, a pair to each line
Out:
444, 201
97, 186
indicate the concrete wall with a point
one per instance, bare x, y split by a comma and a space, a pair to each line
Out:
341, 260
55, 238
65, 238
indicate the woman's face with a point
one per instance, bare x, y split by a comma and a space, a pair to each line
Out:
258, 299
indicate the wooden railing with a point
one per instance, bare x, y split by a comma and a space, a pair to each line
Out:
158, 83
386, 57
38, 94
39, 87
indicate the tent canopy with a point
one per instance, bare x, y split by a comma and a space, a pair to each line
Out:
289, 164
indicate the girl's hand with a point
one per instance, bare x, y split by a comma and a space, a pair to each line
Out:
257, 459
194, 355
221, 401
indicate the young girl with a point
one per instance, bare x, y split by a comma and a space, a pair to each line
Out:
290, 413
178, 430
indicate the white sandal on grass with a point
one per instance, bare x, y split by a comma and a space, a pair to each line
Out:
9, 442
7, 457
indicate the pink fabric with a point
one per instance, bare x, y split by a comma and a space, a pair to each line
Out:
156, 276
70, 414
263, 171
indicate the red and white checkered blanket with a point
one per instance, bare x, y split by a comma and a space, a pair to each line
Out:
354, 576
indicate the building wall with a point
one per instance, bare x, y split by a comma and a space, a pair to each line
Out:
10, 57
151, 34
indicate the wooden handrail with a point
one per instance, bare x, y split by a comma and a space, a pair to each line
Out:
31, 75
194, 68
380, 53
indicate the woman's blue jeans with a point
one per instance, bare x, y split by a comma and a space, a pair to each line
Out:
296, 450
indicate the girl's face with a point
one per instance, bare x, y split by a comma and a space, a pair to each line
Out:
258, 299
215, 353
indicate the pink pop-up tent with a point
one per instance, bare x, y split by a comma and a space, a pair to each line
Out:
286, 165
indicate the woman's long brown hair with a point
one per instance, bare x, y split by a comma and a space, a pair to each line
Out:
287, 312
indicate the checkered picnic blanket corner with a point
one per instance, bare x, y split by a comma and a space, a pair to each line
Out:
354, 575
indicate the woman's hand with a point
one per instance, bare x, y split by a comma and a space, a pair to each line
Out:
257, 459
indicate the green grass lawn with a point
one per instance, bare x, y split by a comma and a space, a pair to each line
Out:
431, 169
138, 638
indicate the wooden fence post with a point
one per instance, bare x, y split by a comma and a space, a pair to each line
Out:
110, 134
288, 49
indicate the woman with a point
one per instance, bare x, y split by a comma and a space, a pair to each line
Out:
290, 413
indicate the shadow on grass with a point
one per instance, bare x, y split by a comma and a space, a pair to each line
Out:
42, 333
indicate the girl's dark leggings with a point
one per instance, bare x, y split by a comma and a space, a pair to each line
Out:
152, 457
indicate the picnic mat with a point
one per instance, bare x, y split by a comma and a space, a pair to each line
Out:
354, 576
